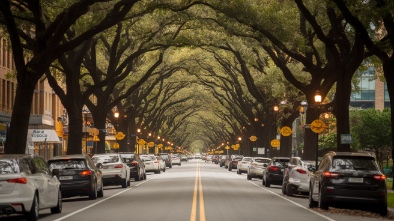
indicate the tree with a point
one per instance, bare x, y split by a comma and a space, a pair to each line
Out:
37, 32
371, 130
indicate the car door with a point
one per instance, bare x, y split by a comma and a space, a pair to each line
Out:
47, 185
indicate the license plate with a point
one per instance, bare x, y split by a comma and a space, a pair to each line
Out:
355, 180
281, 170
105, 167
66, 178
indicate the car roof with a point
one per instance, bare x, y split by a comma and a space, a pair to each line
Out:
351, 154
71, 156
14, 156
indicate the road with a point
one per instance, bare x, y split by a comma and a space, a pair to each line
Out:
197, 191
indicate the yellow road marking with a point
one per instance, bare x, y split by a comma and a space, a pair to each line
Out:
198, 188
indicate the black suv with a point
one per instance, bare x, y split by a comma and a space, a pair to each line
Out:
348, 177
167, 158
273, 174
137, 167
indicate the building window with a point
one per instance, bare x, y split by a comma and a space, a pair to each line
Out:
365, 86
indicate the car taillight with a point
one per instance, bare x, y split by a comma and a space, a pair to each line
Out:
21, 180
118, 166
86, 173
379, 177
330, 174
273, 168
156, 161
301, 171
135, 163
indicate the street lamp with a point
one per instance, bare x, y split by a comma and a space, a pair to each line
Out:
318, 100
116, 115
85, 112
239, 141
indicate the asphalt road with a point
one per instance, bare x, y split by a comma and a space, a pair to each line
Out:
197, 191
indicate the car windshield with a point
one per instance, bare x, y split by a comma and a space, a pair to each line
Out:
67, 164
105, 159
262, 160
148, 158
281, 162
354, 163
127, 155
249, 159
9, 166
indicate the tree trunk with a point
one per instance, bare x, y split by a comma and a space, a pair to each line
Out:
75, 131
17, 133
342, 109
310, 138
100, 124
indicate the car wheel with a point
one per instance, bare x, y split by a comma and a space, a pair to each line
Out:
322, 201
263, 182
144, 176
93, 194
137, 178
248, 177
100, 193
171, 166
124, 183
312, 203
59, 206
267, 183
382, 209
33, 214
230, 168
164, 169
284, 188
289, 190
128, 182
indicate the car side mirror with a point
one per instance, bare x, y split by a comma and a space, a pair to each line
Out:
99, 165
55, 172
265, 165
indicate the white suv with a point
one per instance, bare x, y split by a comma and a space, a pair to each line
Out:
296, 176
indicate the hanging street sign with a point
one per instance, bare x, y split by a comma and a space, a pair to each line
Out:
318, 126
286, 131
275, 143
253, 138
120, 136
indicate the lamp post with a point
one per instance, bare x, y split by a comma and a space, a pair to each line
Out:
137, 145
85, 112
318, 100
239, 142
116, 115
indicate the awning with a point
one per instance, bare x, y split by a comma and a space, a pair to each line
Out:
43, 135
110, 137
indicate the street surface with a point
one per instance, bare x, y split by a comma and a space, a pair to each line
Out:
197, 191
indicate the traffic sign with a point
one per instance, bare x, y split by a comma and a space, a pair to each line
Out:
116, 146
346, 138
318, 126
120, 136
286, 131
227, 147
275, 143
253, 138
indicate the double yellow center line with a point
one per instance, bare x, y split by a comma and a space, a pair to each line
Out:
198, 192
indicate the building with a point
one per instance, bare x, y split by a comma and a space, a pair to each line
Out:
46, 110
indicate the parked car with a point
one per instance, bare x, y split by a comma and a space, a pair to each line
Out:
28, 186
134, 162
243, 165
175, 159
348, 177
215, 159
184, 158
151, 163
162, 163
229, 160
78, 175
257, 167
234, 162
115, 170
273, 174
166, 157
222, 160
296, 176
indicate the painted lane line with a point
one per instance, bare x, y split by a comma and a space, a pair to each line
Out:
101, 201
193, 213
295, 203
202, 207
